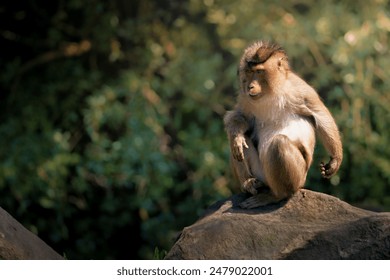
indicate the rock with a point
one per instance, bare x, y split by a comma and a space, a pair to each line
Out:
17, 243
310, 225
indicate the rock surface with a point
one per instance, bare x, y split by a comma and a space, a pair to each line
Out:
17, 243
310, 225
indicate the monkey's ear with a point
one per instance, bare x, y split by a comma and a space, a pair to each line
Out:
280, 61
281, 64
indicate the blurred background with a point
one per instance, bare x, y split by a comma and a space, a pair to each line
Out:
111, 112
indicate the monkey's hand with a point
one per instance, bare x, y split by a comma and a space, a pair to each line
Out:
330, 168
237, 147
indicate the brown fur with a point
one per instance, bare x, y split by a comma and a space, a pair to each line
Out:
272, 127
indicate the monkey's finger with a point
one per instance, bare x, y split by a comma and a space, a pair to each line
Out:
331, 167
240, 157
324, 170
245, 144
327, 170
241, 153
238, 153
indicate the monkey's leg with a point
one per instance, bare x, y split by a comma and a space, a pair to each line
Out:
248, 171
286, 166
285, 170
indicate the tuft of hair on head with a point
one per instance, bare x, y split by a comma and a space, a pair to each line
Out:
260, 51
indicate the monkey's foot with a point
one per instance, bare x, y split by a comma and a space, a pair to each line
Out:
252, 185
261, 199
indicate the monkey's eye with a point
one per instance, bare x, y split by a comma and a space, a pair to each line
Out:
260, 71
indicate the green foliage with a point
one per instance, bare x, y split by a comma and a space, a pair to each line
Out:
158, 254
112, 112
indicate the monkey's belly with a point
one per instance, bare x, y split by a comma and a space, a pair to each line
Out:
298, 130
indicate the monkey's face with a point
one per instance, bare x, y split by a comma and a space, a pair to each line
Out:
258, 79
260, 69
253, 80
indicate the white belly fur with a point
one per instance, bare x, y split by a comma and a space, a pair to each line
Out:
295, 128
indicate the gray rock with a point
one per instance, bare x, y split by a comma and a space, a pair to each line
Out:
17, 243
310, 225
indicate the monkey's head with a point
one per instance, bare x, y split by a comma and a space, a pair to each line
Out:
262, 67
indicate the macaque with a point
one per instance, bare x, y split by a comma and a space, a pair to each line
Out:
273, 127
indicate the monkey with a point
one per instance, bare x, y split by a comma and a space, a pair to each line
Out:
273, 127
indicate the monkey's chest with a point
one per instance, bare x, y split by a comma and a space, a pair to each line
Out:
297, 129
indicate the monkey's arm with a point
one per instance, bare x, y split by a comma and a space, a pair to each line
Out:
326, 129
236, 125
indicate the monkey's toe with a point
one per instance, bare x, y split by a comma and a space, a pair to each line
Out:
259, 200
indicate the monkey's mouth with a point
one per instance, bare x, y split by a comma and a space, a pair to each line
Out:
254, 95
254, 90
